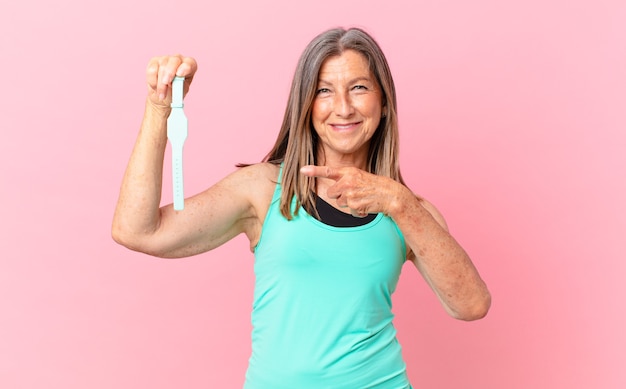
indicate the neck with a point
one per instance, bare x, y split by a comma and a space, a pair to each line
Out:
358, 160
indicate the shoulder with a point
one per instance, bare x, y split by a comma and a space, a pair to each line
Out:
259, 176
264, 170
413, 205
434, 212
248, 189
257, 183
425, 205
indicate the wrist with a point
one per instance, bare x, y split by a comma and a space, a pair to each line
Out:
157, 110
403, 200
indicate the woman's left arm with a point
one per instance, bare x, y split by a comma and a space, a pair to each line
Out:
440, 259
443, 263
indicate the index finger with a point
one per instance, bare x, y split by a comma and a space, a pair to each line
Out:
321, 171
162, 70
187, 68
177, 66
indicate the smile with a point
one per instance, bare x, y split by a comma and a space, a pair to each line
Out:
344, 127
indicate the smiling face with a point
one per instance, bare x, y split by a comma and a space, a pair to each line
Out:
346, 110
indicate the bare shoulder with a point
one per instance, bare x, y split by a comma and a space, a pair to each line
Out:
262, 170
254, 183
434, 212
260, 176
257, 182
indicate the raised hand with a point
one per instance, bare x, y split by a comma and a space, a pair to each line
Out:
160, 73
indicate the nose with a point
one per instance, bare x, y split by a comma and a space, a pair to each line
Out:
342, 106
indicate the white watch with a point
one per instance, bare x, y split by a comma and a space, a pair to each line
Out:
177, 134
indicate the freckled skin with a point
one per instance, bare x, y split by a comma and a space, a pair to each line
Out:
345, 114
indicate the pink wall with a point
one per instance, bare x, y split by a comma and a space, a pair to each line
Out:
513, 122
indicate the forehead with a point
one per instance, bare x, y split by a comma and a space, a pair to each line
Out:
348, 65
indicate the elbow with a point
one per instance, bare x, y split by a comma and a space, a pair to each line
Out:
474, 309
133, 241
124, 238
477, 310
117, 234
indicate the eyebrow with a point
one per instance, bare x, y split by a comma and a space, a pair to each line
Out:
352, 81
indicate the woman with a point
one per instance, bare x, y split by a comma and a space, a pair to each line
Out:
328, 217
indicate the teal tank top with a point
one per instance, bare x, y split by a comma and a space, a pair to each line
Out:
321, 314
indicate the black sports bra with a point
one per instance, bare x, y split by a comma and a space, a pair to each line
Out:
334, 217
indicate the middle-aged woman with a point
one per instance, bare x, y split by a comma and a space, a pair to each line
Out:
328, 217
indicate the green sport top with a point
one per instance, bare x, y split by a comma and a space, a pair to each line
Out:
322, 304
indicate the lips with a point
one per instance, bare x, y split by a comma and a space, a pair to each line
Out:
344, 127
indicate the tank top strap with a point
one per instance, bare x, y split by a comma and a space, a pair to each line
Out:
277, 189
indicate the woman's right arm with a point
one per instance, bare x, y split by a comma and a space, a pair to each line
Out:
209, 218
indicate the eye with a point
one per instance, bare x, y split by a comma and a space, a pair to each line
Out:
322, 91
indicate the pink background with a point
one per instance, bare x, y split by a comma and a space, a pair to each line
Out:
513, 119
